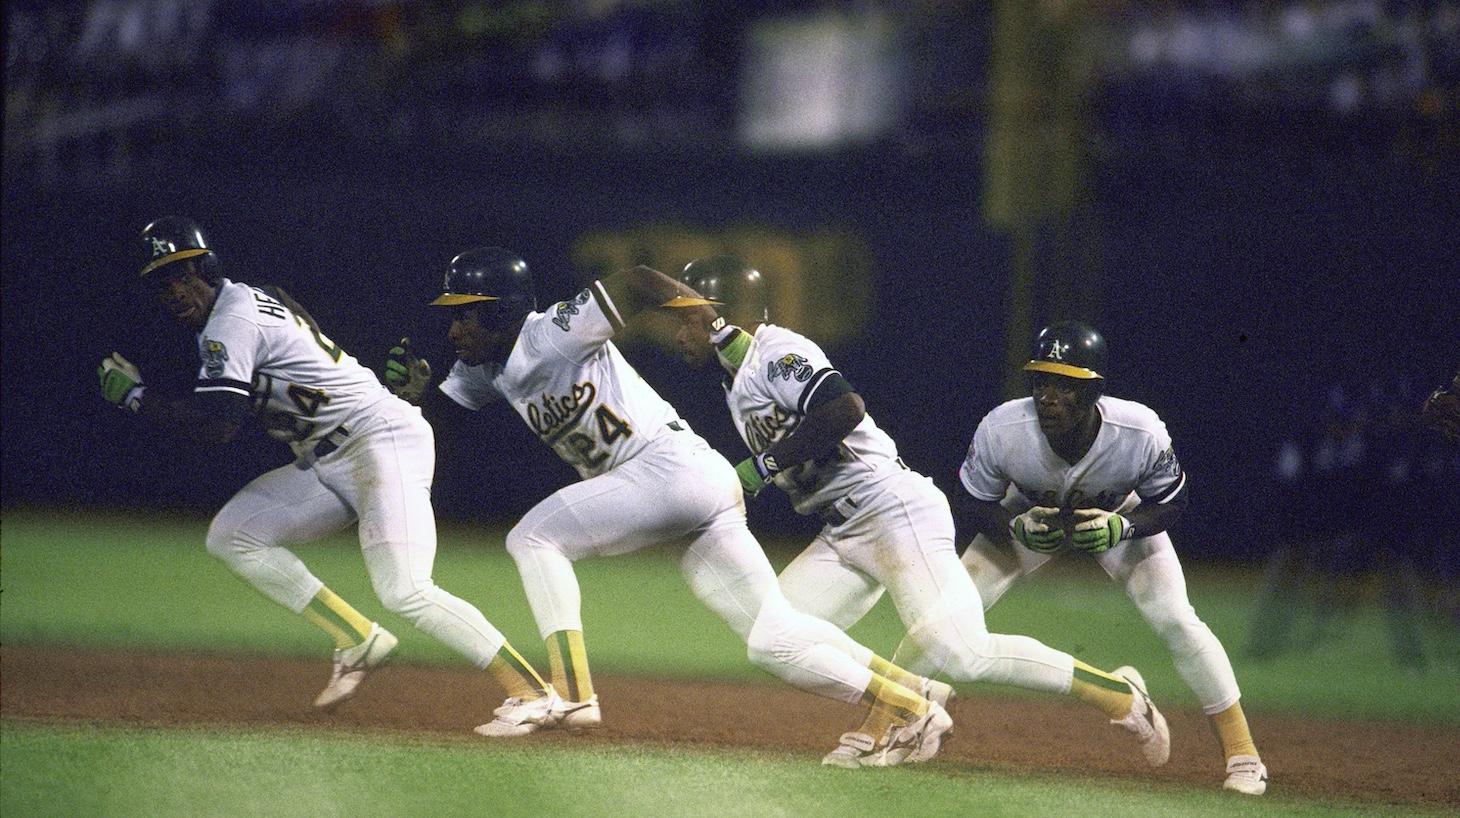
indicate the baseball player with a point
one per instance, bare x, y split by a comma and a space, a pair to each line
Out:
1072, 469
647, 479
362, 455
885, 527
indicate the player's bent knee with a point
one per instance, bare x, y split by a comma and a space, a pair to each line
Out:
230, 544
406, 601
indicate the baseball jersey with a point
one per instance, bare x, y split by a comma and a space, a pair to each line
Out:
768, 397
302, 385
572, 385
1131, 453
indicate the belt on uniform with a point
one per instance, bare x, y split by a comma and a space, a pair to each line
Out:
839, 511
677, 426
331, 441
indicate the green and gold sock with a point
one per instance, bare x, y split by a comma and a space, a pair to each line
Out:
899, 703
1231, 727
1111, 694
568, 663
342, 623
516, 675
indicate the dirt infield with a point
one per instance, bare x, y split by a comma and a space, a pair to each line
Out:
1367, 762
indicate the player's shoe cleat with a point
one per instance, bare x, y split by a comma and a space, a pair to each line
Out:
517, 717
352, 664
1247, 775
938, 692
851, 752
1145, 721
578, 715
915, 742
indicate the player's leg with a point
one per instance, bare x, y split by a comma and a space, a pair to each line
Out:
614, 513
904, 535
290, 505
384, 471
727, 570
1152, 576
819, 582
996, 567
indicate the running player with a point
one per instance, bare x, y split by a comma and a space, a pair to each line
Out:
362, 456
885, 527
647, 479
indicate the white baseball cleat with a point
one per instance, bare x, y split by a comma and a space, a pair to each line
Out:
1247, 775
583, 715
517, 717
850, 753
352, 664
1145, 721
915, 742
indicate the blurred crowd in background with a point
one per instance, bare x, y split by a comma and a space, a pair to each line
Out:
109, 80
1362, 509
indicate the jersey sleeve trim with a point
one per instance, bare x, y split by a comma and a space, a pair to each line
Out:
826, 385
1175, 493
610, 310
203, 387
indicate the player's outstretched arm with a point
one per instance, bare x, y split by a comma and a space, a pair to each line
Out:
183, 420
640, 288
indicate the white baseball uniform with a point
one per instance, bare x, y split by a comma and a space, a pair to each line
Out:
1131, 462
362, 454
886, 527
647, 479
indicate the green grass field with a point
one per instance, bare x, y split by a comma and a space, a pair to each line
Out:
105, 581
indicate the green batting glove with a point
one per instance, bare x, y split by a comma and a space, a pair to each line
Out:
121, 382
755, 471
405, 374
1033, 529
1098, 530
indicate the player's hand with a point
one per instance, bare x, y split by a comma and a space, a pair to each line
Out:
406, 374
121, 382
1039, 530
1098, 530
755, 472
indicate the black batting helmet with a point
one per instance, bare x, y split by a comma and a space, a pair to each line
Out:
498, 279
171, 239
742, 291
1072, 349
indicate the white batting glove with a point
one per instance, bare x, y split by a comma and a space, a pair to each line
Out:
1038, 529
121, 382
1098, 530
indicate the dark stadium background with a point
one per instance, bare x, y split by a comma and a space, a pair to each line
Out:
1247, 240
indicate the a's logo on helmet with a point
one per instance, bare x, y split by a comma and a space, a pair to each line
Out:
161, 247
1057, 350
